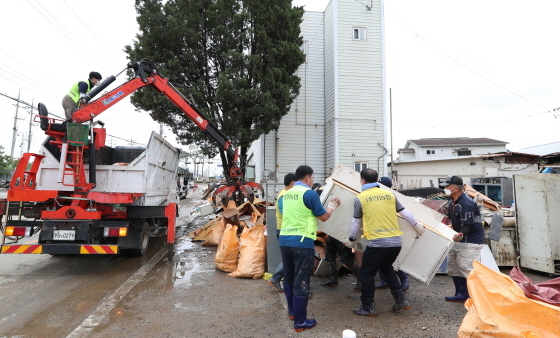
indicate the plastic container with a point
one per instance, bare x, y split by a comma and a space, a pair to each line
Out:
77, 133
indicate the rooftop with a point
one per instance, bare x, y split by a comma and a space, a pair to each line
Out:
456, 141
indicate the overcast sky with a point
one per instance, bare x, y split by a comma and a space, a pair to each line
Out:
478, 68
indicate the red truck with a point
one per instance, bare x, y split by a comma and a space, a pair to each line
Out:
84, 197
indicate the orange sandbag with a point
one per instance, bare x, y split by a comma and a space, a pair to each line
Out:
228, 250
498, 308
251, 253
214, 237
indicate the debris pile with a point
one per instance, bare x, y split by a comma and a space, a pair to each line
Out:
239, 234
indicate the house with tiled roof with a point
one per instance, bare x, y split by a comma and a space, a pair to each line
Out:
428, 149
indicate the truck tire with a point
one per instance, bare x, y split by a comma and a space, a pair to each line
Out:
141, 240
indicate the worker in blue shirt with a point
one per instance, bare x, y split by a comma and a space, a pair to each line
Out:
300, 208
466, 221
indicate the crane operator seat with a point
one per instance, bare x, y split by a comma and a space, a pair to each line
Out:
44, 114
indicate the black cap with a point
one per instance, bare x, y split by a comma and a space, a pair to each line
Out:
95, 75
455, 180
386, 181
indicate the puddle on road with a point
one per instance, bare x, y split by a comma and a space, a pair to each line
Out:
168, 275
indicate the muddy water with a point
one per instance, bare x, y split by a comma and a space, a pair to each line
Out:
58, 292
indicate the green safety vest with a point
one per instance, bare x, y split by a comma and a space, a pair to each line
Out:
75, 94
297, 219
278, 214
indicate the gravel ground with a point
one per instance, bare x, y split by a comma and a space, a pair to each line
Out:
190, 298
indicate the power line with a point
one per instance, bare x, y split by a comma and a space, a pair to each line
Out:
459, 63
47, 80
19, 84
20, 101
88, 54
129, 141
45, 89
87, 27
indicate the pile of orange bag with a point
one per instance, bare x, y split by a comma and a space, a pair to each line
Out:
498, 308
239, 235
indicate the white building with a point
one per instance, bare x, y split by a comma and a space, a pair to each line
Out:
429, 149
490, 174
339, 115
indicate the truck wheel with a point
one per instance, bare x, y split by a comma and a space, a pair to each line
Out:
141, 241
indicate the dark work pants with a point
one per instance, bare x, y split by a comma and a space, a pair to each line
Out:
379, 259
298, 263
337, 248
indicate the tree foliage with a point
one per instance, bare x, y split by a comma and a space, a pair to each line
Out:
235, 59
6, 162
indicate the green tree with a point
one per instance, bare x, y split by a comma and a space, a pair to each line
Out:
234, 59
6, 162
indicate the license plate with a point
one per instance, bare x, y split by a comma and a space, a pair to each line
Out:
64, 235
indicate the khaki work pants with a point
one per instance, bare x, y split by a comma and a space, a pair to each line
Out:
461, 257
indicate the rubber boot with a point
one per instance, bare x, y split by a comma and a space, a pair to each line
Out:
356, 272
400, 301
274, 281
333, 276
289, 292
461, 291
405, 285
382, 282
300, 315
367, 309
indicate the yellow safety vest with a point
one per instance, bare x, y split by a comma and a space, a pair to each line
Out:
297, 219
74, 91
379, 214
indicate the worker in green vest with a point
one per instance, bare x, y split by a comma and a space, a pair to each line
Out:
300, 207
274, 281
70, 101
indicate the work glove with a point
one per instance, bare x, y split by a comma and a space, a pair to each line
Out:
334, 203
419, 228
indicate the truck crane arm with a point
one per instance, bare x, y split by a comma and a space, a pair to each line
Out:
146, 74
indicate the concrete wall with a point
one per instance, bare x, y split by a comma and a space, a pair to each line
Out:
360, 84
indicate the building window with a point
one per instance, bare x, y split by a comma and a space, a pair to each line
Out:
359, 166
463, 152
359, 33
430, 152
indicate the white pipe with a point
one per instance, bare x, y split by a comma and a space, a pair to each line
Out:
335, 64
62, 164
384, 91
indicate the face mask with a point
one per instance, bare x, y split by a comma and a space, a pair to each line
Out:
447, 191
97, 83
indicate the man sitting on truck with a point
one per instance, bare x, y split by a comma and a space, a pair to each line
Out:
77, 91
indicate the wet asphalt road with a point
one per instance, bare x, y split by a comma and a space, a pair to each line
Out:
114, 296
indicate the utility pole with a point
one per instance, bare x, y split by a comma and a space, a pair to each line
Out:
391, 127
14, 134
30, 125
21, 144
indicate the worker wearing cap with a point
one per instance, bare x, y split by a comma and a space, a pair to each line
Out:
77, 91
403, 277
375, 212
466, 221
300, 207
